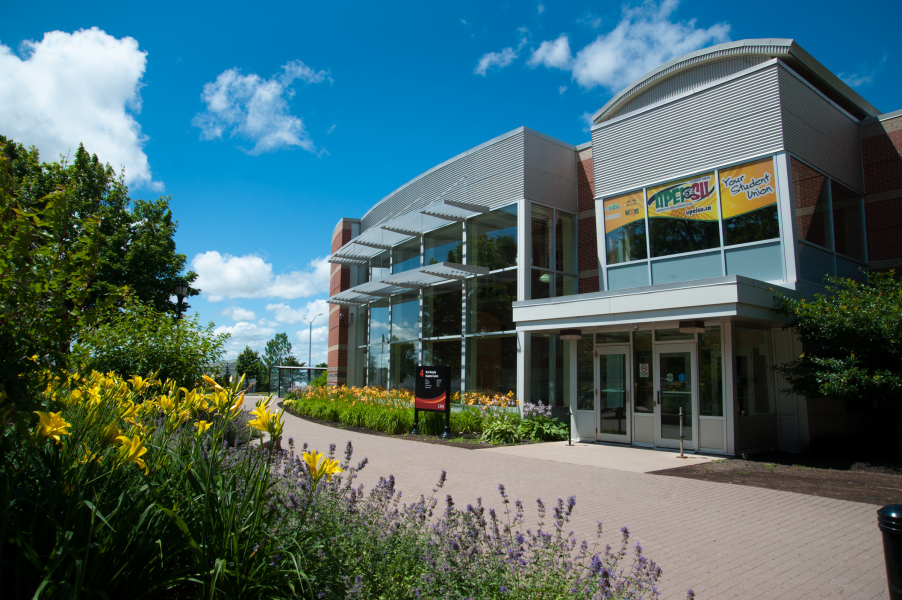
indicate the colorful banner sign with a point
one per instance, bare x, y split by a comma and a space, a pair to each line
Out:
693, 198
747, 187
623, 210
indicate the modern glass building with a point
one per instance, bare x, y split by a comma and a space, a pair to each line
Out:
630, 279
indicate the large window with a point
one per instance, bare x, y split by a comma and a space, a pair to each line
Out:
377, 366
547, 369
405, 316
753, 372
811, 199
683, 216
644, 372
748, 196
710, 377
624, 225
492, 364
442, 310
585, 373
379, 324
380, 266
444, 352
848, 221
490, 302
404, 359
553, 254
492, 239
406, 256
444, 245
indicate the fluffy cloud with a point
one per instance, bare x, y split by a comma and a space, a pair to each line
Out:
554, 54
283, 313
646, 37
236, 313
244, 334
223, 276
251, 108
81, 87
495, 59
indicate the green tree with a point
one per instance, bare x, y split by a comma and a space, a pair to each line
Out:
278, 349
247, 363
139, 340
292, 361
852, 341
135, 242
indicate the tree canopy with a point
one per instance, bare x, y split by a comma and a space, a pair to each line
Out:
278, 350
852, 340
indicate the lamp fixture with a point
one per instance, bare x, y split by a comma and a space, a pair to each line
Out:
571, 334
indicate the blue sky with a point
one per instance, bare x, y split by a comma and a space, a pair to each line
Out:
267, 123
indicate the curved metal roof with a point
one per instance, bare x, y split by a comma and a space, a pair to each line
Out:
784, 49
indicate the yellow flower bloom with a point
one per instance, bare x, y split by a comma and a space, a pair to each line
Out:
268, 421
111, 433
319, 465
131, 450
201, 426
51, 426
212, 383
138, 383
131, 411
167, 403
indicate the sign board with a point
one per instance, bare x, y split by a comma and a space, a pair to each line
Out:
747, 187
432, 392
433, 388
694, 199
643, 369
623, 210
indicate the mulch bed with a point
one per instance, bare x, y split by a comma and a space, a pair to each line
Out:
870, 481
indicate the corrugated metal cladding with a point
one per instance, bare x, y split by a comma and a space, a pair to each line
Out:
550, 173
718, 125
819, 133
494, 177
689, 80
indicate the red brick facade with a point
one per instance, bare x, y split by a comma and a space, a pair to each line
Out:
588, 241
881, 147
339, 280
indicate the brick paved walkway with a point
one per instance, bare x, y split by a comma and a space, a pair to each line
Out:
724, 541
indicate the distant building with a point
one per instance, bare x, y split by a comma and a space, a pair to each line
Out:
629, 278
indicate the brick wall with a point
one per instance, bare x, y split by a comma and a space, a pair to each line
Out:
588, 240
881, 147
339, 281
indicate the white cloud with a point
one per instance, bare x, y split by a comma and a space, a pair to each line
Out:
320, 336
562, 89
223, 276
81, 87
644, 39
244, 334
540, 8
251, 108
495, 59
236, 313
590, 20
554, 54
283, 313
864, 75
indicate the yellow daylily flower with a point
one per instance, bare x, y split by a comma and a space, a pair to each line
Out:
167, 403
268, 421
138, 383
51, 426
201, 426
319, 465
131, 411
212, 382
131, 450
111, 433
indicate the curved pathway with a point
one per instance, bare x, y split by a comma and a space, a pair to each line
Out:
723, 541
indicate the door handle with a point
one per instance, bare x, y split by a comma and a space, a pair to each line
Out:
659, 397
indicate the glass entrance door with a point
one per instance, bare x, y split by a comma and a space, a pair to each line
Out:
676, 390
612, 387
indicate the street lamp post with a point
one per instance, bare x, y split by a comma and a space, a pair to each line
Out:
310, 346
180, 290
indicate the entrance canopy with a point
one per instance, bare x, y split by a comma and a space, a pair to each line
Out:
729, 296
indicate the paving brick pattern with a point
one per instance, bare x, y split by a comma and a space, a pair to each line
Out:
723, 541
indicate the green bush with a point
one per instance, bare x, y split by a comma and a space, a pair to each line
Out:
502, 429
542, 428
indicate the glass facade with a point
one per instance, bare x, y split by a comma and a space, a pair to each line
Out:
444, 245
752, 372
492, 239
546, 376
710, 373
553, 253
490, 302
492, 364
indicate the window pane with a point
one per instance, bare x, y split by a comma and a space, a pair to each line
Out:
380, 266
564, 285
615, 337
492, 239
546, 370
748, 196
541, 236
848, 225
565, 242
405, 316
541, 284
377, 366
644, 372
445, 352
444, 245
752, 375
379, 325
710, 366
809, 193
442, 310
624, 226
492, 364
404, 360
490, 302
406, 256
683, 216
585, 373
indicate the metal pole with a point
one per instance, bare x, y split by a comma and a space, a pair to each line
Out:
569, 426
310, 346
681, 433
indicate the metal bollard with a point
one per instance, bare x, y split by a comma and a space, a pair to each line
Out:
889, 519
681, 433
569, 426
